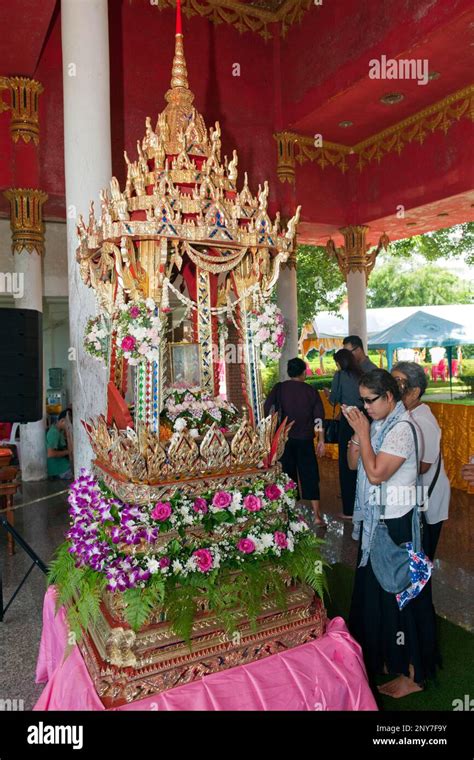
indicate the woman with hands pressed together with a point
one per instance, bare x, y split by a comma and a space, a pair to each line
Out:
394, 641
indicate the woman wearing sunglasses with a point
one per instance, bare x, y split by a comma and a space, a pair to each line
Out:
398, 642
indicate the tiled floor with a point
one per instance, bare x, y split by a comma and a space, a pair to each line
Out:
43, 521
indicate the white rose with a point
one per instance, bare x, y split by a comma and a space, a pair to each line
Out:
180, 424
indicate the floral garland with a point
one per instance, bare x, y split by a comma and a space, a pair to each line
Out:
96, 337
122, 540
172, 554
139, 331
268, 331
194, 409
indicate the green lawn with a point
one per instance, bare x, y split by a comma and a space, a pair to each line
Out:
454, 680
468, 401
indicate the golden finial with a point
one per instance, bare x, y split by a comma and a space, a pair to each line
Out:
179, 72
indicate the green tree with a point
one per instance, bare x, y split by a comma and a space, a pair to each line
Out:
319, 281
451, 242
429, 285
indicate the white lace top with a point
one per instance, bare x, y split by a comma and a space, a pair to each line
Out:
400, 490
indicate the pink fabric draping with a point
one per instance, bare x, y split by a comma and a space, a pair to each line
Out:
327, 674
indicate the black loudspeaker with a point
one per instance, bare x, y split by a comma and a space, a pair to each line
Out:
21, 365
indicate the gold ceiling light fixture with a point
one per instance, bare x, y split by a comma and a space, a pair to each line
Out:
246, 16
345, 124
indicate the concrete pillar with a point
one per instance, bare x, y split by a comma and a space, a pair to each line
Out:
27, 227
28, 247
287, 299
356, 264
356, 301
28, 266
88, 168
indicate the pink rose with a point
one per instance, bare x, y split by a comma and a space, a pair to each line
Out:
164, 562
272, 492
246, 546
128, 343
161, 511
280, 539
290, 486
222, 499
200, 505
280, 339
134, 312
204, 559
252, 503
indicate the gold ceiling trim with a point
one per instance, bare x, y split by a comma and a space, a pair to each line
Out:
440, 116
245, 18
294, 147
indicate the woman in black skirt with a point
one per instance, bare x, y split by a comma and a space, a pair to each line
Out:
302, 405
396, 641
345, 390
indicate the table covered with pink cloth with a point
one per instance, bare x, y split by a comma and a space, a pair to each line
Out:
326, 674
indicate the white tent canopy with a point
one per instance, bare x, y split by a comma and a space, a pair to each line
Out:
328, 325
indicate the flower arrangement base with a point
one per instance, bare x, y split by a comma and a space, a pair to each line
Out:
127, 666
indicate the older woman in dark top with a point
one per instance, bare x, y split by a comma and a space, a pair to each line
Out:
302, 405
345, 390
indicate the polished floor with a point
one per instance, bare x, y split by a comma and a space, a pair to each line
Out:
41, 518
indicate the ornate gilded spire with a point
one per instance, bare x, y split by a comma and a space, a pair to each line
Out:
179, 73
179, 111
179, 94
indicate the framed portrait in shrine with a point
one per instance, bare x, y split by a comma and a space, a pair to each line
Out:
185, 365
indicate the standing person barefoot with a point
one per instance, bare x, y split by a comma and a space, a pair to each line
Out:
399, 641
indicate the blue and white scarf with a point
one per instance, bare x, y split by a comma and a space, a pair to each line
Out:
366, 508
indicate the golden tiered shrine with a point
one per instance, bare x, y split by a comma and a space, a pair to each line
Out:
200, 258
182, 234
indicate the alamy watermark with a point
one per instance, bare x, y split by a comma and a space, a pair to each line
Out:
401, 496
401, 68
45, 734
13, 283
12, 705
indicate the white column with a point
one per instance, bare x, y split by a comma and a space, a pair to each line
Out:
287, 299
28, 267
88, 168
356, 301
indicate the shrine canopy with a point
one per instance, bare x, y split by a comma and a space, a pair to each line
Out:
421, 330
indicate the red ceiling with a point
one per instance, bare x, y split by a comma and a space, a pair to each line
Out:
330, 83
311, 80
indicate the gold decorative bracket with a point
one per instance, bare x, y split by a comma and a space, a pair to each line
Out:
26, 219
24, 107
356, 255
